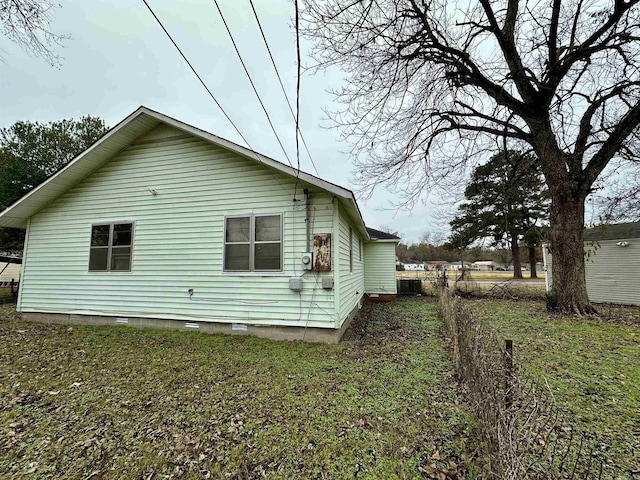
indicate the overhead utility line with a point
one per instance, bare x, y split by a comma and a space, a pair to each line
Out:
255, 90
284, 91
212, 95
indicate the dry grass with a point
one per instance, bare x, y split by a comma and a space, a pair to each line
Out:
115, 402
590, 364
527, 432
482, 276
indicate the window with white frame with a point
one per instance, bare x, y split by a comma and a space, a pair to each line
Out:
110, 249
253, 243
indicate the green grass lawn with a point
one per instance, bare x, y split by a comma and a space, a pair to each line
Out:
592, 366
116, 402
6, 295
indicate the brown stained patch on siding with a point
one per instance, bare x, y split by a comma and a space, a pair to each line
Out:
322, 252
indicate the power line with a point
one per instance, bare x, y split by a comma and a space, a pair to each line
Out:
255, 90
212, 95
284, 91
297, 94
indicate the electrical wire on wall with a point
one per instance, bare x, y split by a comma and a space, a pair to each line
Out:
311, 212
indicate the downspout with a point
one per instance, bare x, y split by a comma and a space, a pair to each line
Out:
307, 220
335, 259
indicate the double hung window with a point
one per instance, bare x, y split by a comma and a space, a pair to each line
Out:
253, 243
110, 249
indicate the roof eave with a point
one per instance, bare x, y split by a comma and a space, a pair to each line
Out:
12, 217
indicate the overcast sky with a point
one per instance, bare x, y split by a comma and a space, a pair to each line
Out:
118, 58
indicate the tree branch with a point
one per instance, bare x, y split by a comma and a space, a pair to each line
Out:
610, 146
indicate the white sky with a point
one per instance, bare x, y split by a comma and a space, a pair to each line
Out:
119, 58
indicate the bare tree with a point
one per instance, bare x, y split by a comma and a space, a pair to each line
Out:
436, 239
27, 22
431, 84
621, 200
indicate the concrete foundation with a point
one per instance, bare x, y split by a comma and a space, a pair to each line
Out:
311, 334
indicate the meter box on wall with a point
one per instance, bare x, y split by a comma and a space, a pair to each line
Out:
322, 252
307, 260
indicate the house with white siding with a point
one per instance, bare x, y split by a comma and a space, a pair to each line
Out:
484, 265
612, 263
162, 224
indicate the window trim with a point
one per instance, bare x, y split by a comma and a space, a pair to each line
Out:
252, 244
110, 246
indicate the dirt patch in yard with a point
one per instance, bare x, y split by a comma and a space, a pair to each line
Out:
381, 323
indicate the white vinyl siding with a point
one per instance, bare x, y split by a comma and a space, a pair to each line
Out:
380, 267
351, 282
179, 240
351, 249
612, 272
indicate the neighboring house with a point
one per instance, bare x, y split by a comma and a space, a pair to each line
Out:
462, 264
379, 253
413, 267
612, 263
162, 224
436, 265
484, 265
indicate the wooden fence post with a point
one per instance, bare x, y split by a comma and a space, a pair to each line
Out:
508, 361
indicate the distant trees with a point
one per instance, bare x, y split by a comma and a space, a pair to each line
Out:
430, 247
421, 252
506, 202
30, 152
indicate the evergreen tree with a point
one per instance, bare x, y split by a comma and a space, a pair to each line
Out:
30, 152
506, 202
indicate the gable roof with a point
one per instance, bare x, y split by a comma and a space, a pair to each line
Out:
125, 133
613, 232
378, 235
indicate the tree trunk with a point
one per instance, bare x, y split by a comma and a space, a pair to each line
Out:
569, 290
532, 261
515, 253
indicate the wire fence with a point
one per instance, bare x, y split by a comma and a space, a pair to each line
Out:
525, 432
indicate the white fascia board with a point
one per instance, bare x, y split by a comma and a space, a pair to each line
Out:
16, 215
58, 183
